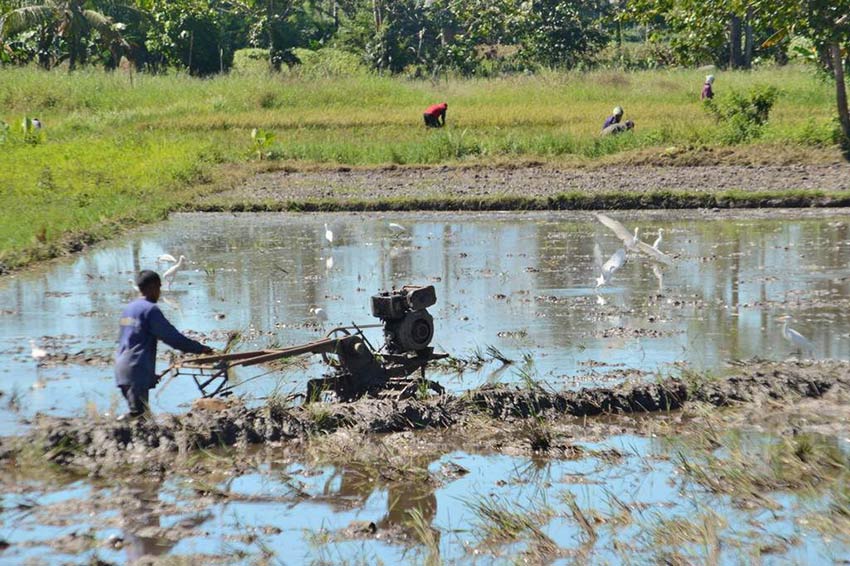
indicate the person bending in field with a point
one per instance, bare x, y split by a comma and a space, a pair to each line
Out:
615, 129
707, 92
435, 115
142, 324
614, 118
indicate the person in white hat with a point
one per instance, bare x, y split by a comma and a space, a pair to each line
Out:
707, 93
614, 118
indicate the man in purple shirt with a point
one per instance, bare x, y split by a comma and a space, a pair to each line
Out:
142, 324
707, 92
614, 118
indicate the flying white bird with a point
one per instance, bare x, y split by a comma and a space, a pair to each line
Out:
168, 276
329, 235
801, 342
632, 241
397, 228
38, 354
608, 268
658, 239
166, 258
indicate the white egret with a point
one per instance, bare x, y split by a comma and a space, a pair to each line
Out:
38, 354
397, 228
658, 275
607, 269
329, 235
168, 276
798, 340
166, 258
632, 241
329, 263
320, 314
658, 239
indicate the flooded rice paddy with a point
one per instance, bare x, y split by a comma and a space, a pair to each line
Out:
519, 286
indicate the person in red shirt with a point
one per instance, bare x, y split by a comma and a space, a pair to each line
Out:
435, 113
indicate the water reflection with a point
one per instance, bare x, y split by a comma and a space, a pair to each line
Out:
523, 282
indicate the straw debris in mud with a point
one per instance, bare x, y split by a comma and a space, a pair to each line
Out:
98, 445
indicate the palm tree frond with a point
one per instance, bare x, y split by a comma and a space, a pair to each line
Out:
97, 20
28, 17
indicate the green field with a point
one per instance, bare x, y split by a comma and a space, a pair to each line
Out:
119, 150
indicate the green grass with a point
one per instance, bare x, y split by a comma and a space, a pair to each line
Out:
120, 150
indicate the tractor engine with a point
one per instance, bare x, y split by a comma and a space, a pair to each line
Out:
408, 326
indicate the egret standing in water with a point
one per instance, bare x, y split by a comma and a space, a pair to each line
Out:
799, 341
168, 276
658, 239
397, 228
329, 235
632, 241
38, 354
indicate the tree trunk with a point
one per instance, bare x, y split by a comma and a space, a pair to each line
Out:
748, 38
734, 41
841, 94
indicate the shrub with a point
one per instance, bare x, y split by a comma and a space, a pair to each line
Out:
743, 115
251, 61
327, 62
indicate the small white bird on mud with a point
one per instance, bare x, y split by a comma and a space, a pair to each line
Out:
329, 263
397, 228
607, 269
329, 235
168, 276
799, 341
632, 241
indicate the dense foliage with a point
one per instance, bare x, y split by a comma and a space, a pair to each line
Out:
420, 36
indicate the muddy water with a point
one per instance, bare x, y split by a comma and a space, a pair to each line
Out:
628, 488
523, 283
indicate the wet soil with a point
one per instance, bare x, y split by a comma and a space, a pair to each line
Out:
96, 446
527, 183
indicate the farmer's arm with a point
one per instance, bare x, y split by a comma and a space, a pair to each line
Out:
165, 331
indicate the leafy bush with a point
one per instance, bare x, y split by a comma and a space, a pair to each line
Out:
262, 143
251, 61
743, 115
328, 62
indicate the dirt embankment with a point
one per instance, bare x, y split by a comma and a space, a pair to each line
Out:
96, 446
614, 186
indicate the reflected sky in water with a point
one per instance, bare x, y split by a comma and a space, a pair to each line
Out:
630, 487
522, 282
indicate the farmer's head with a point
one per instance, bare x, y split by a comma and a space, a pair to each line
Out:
149, 284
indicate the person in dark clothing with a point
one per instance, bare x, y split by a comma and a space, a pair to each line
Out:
434, 114
707, 92
142, 324
614, 129
614, 118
